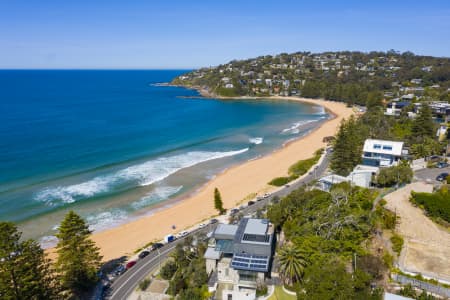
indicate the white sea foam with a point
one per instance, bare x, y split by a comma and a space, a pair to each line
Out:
320, 110
256, 140
48, 241
106, 219
155, 196
295, 128
142, 174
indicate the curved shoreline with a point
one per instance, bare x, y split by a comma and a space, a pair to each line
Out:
235, 184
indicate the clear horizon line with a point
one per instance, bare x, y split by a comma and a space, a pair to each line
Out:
95, 69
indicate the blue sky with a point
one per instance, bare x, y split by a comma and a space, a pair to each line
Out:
190, 34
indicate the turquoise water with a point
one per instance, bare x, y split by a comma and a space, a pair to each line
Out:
112, 144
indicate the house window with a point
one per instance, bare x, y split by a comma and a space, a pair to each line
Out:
385, 147
377, 146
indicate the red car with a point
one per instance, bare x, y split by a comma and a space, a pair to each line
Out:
130, 264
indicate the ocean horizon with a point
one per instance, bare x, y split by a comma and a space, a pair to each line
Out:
112, 144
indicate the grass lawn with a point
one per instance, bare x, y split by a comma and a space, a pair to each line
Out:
281, 295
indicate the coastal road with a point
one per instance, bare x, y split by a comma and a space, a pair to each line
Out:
124, 285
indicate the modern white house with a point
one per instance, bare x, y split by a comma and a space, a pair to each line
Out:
376, 154
381, 153
239, 258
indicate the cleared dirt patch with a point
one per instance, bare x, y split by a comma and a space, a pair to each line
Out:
427, 247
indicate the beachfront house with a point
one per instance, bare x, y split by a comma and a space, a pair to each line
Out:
381, 153
239, 257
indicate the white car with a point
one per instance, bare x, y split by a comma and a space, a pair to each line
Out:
184, 233
202, 225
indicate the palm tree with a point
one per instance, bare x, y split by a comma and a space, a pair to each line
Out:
292, 262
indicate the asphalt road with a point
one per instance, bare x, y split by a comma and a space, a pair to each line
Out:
124, 284
430, 174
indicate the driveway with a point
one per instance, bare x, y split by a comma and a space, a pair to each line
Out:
427, 246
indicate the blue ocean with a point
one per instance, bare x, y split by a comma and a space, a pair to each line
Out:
112, 144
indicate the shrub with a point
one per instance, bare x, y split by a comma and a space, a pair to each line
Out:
261, 290
388, 259
297, 169
143, 285
393, 175
280, 181
397, 243
168, 270
436, 204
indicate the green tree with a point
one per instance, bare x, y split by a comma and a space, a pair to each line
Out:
327, 281
25, 272
423, 125
348, 146
292, 263
395, 175
218, 204
78, 257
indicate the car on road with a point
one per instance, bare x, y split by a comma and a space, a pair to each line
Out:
234, 211
182, 234
156, 246
287, 185
143, 254
130, 264
213, 221
120, 270
266, 195
250, 203
442, 164
442, 176
201, 225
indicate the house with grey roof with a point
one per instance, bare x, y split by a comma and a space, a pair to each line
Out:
239, 257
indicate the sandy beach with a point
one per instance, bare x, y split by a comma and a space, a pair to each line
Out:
235, 184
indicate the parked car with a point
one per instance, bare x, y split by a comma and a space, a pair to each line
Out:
157, 246
213, 221
287, 185
143, 254
130, 264
234, 211
442, 164
184, 233
250, 203
120, 270
434, 158
202, 225
266, 195
169, 238
442, 176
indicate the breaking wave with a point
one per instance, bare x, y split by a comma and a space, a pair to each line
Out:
295, 128
137, 175
256, 140
155, 196
106, 219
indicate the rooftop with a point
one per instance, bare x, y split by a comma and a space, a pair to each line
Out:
256, 226
225, 231
383, 147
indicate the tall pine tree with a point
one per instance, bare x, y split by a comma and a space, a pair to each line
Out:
218, 204
25, 272
423, 125
348, 146
78, 257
